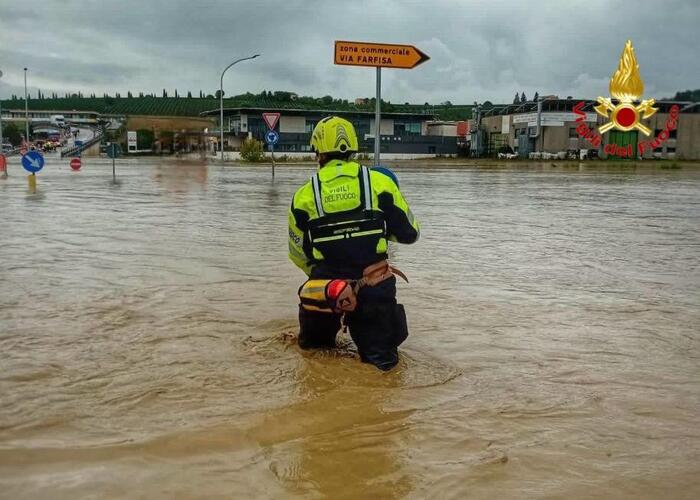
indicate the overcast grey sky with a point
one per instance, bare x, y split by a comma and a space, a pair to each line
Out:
479, 49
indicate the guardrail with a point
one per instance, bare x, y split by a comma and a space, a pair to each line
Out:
12, 152
76, 150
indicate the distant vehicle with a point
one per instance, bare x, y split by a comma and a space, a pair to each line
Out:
59, 120
507, 156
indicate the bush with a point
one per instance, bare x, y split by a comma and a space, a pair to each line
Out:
252, 150
11, 133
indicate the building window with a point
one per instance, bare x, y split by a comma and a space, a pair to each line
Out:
532, 131
361, 128
406, 128
257, 127
310, 125
673, 134
572, 133
234, 124
671, 150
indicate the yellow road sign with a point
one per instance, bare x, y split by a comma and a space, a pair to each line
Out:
381, 55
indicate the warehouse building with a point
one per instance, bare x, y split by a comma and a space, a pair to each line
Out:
406, 135
515, 128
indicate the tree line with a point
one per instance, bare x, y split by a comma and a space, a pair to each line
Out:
522, 98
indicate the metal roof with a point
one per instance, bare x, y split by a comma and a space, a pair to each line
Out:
301, 111
549, 105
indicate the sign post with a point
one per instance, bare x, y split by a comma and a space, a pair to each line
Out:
113, 151
379, 55
271, 136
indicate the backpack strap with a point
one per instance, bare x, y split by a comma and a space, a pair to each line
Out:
366, 188
316, 183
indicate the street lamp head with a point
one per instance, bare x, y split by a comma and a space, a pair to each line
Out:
256, 55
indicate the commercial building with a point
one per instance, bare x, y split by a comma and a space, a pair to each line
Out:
515, 127
405, 135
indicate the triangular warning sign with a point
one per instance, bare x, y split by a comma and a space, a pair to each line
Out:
271, 119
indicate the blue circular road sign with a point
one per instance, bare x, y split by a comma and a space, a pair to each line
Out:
114, 150
271, 137
33, 161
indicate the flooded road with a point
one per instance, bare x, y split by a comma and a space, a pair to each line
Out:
146, 345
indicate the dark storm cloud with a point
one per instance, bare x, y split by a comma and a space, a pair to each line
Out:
71, 71
479, 50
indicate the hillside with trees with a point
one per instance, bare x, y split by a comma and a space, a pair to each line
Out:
687, 95
189, 105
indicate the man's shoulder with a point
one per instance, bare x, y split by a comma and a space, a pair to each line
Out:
381, 182
303, 193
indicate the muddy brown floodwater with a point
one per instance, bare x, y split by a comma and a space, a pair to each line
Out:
147, 339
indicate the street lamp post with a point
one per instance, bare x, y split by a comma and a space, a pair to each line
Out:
2, 142
2, 149
221, 100
26, 109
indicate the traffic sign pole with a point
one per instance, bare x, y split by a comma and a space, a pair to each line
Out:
114, 150
378, 117
271, 137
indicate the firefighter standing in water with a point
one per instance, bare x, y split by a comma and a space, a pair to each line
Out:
340, 223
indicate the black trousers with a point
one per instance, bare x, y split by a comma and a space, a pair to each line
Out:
378, 326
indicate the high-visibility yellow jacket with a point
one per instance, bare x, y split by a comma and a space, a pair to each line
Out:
341, 219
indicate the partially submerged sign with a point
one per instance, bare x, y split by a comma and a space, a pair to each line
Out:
33, 161
382, 55
114, 150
